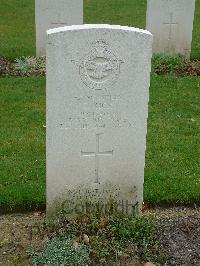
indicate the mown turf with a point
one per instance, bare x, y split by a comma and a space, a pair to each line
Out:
196, 32
22, 145
17, 30
172, 171
119, 12
173, 154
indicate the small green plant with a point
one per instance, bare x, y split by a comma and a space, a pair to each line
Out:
61, 251
109, 237
168, 65
30, 66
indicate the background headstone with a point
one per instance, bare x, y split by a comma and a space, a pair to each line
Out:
53, 14
171, 23
97, 106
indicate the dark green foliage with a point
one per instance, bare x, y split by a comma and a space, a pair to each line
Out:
168, 65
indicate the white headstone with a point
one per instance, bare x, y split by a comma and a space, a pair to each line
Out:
97, 106
51, 14
171, 23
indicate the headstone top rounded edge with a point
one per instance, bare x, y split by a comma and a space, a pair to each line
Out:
97, 26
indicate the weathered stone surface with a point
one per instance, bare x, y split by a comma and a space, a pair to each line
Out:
53, 14
97, 106
171, 23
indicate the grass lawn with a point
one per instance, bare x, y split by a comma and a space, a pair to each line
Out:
172, 171
17, 31
22, 142
173, 154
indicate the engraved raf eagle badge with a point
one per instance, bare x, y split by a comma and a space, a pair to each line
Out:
100, 68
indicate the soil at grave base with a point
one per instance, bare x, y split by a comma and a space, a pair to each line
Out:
178, 232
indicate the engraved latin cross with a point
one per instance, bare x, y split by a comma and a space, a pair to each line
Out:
96, 155
170, 24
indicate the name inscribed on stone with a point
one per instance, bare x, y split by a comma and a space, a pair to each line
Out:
96, 112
